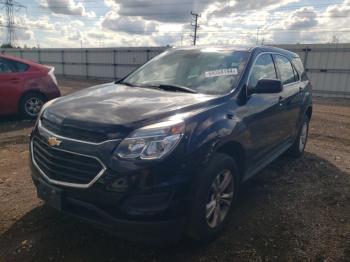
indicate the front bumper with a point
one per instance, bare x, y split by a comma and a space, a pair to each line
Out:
132, 228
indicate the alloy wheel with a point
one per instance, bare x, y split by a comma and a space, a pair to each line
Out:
303, 136
33, 105
220, 198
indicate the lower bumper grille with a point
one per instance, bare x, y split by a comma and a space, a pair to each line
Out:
64, 166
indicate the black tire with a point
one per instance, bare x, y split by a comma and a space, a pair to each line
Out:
297, 149
199, 228
38, 101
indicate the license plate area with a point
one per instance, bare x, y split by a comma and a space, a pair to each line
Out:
50, 194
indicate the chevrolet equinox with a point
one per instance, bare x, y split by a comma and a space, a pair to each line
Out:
163, 152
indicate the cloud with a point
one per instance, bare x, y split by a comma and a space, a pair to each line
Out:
66, 7
240, 6
97, 35
112, 21
302, 19
164, 39
24, 35
339, 9
163, 22
168, 11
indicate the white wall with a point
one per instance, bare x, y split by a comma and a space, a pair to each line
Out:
327, 65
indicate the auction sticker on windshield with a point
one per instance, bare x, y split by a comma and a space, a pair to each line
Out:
221, 72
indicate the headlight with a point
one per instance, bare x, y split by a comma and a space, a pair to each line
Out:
152, 142
45, 106
42, 111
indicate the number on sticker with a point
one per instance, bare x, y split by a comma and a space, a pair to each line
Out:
221, 72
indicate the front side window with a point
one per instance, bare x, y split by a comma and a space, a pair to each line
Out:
263, 68
285, 68
208, 71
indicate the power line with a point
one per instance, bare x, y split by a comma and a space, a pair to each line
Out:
11, 7
195, 26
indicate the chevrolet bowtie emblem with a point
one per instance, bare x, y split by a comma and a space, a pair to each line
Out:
53, 141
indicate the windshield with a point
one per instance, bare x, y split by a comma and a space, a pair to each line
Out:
204, 71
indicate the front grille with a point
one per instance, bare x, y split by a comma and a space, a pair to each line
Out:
72, 132
64, 166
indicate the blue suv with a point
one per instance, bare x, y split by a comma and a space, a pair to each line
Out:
163, 152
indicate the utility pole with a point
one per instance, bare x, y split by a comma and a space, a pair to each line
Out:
257, 35
195, 26
11, 7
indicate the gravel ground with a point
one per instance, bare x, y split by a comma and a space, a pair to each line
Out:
294, 210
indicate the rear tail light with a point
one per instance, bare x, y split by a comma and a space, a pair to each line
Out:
52, 75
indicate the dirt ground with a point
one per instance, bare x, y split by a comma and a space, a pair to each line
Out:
294, 210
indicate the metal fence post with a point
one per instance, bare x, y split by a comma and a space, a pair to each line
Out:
147, 54
86, 63
39, 55
114, 64
306, 50
62, 58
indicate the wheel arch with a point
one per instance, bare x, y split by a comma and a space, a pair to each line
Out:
309, 112
235, 150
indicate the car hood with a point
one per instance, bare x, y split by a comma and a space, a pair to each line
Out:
110, 106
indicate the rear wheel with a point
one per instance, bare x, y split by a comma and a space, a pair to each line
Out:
297, 149
31, 104
216, 191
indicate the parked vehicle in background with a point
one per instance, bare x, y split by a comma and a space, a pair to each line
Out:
25, 86
165, 150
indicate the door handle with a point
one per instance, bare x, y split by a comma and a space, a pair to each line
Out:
280, 99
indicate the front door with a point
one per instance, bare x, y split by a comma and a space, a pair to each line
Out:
264, 114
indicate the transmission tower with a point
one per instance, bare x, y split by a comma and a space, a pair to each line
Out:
11, 7
195, 26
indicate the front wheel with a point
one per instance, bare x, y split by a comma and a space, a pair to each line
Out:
215, 193
298, 147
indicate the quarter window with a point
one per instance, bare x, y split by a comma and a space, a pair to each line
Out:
9, 66
263, 68
5, 67
286, 70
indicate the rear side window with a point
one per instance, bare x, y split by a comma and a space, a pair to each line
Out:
296, 74
10, 66
298, 64
286, 69
262, 69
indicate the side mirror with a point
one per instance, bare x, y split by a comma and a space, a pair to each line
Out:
268, 86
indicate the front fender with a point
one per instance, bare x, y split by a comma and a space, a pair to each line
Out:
213, 129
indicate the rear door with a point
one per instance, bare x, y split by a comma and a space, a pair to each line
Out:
11, 85
291, 96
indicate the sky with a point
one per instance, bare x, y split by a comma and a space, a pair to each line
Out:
117, 23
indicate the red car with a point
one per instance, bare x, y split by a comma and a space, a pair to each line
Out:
25, 86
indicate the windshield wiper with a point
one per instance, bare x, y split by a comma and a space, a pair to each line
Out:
170, 87
167, 87
126, 83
